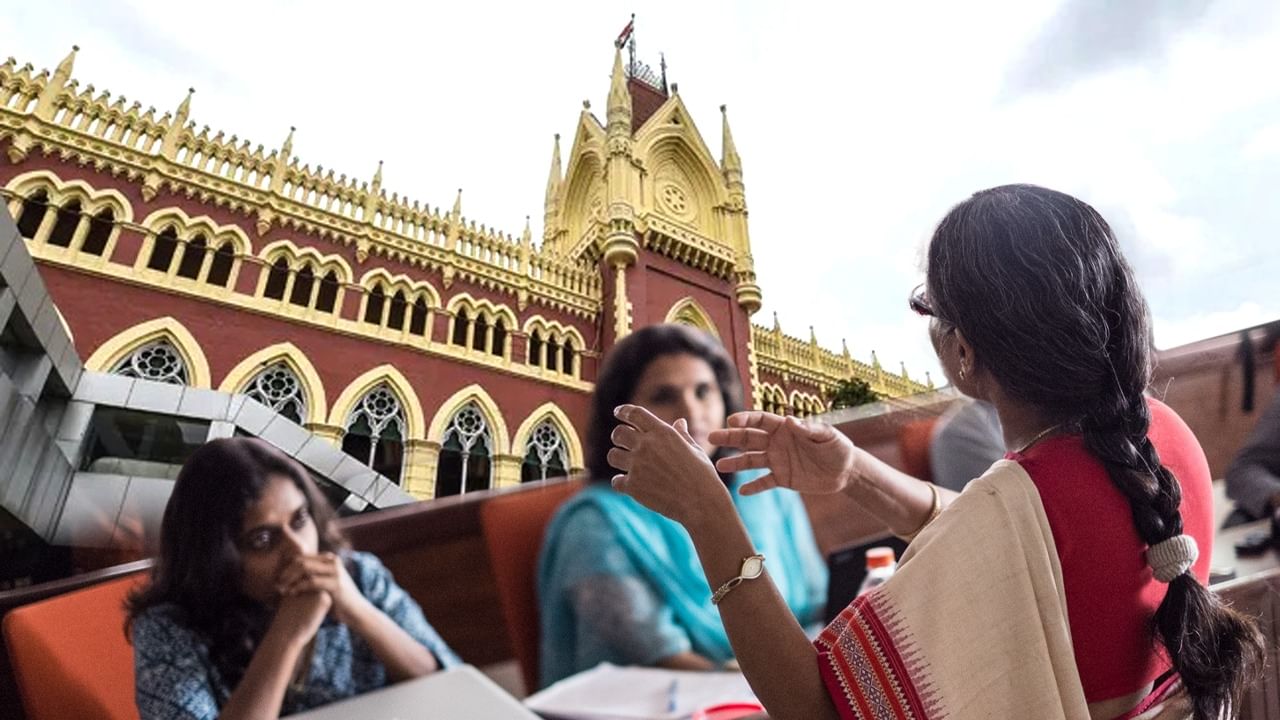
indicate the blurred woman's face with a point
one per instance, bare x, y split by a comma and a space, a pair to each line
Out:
683, 386
277, 528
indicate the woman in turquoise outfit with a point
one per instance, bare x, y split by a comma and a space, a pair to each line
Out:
619, 583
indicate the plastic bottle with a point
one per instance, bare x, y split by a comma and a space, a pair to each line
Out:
880, 566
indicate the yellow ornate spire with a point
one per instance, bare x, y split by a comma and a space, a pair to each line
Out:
63, 73
730, 162
377, 178
619, 111
457, 206
169, 145
286, 150
553, 180
184, 109
45, 102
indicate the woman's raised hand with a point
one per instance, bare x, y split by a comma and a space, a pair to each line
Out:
326, 573
805, 457
662, 466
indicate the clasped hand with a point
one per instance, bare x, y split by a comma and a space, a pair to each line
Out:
665, 470
310, 586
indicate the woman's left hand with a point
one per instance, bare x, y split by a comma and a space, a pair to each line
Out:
663, 468
323, 572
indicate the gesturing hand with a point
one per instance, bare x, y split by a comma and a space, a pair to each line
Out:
662, 466
807, 458
326, 573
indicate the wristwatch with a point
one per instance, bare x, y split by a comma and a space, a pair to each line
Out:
752, 568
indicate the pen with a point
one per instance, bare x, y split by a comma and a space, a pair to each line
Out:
671, 695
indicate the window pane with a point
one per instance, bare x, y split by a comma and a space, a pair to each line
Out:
277, 279
129, 442
32, 214
193, 258
220, 267
460, 328
418, 319
373, 308
499, 339
65, 227
162, 251
301, 295
95, 242
395, 318
328, 296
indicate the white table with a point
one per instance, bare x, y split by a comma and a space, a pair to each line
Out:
461, 693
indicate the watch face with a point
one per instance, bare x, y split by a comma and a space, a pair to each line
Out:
752, 567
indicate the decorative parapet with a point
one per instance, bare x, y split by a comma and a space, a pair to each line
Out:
791, 357
51, 113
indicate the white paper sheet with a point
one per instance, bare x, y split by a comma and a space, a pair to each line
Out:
609, 692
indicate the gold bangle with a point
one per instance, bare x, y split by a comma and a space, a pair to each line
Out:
934, 511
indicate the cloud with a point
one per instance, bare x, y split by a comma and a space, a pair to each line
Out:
1175, 331
1086, 37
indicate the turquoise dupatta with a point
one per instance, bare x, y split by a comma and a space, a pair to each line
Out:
665, 557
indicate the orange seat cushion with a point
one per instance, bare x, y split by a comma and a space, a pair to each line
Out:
513, 527
70, 656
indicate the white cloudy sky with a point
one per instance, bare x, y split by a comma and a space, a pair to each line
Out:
859, 124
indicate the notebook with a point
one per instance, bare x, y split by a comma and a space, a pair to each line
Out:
461, 693
609, 692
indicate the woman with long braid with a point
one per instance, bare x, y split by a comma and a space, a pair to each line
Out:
1066, 582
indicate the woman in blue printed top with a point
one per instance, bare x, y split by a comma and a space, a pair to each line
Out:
256, 607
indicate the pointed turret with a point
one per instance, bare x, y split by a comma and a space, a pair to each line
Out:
169, 145
184, 109
551, 205
730, 163
526, 245
371, 198
554, 177
63, 73
455, 223
619, 111
49, 94
777, 326
286, 150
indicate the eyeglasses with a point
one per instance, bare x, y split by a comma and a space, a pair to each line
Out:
918, 301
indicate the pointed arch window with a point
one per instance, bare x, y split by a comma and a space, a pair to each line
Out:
158, 361
193, 258
65, 227
553, 355
569, 357
100, 225
277, 279
220, 267
545, 455
481, 333
373, 307
34, 208
535, 349
376, 431
466, 454
279, 388
460, 323
327, 298
499, 346
163, 250
418, 317
302, 284
395, 318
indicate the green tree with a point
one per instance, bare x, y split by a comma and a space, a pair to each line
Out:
852, 392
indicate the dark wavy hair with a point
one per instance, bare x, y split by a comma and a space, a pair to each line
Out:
622, 369
1072, 337
198, 569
